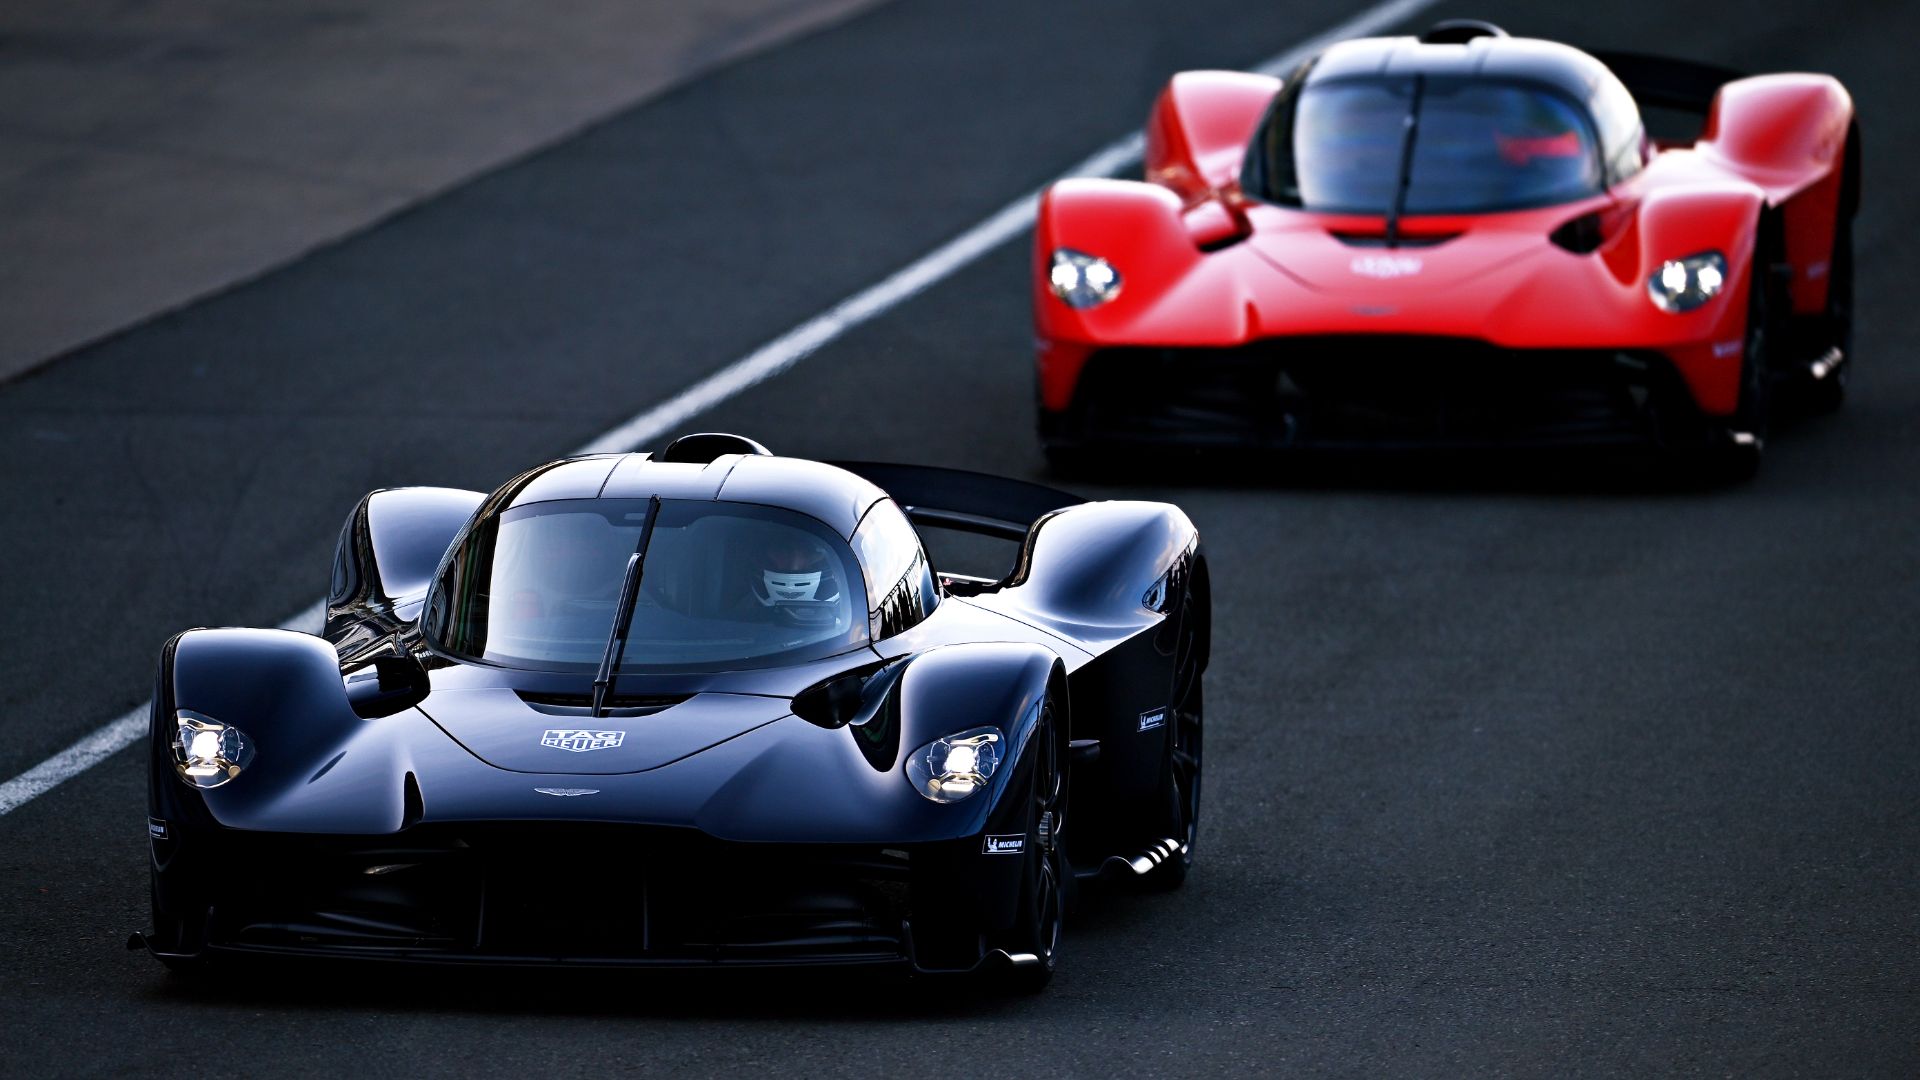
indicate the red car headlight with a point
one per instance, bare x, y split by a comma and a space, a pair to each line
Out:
1684, 284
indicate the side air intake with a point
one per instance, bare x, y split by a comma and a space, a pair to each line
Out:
703, 447
1582, 235
1459, 31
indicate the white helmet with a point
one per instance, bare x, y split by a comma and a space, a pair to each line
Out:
786, 585
792, 570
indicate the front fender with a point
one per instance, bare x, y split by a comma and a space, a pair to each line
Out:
1676, 222
1671, 222
1201, 123
1096, 573
1784, 131
283, 690
1793, 134
1169, 288
794, 783
984, 869
392, 542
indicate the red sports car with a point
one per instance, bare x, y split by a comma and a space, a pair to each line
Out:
1462, 238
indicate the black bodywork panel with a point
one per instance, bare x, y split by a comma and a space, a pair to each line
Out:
753, 816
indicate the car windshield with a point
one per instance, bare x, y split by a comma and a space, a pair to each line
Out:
722, 587
1476, 146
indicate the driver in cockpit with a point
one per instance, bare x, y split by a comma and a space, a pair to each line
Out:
793, 583
790, 571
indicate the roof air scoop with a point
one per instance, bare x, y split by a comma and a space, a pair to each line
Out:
703, 447
1459, 31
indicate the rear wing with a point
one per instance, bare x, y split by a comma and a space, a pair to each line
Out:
964, 501
1664, 83
1093, 572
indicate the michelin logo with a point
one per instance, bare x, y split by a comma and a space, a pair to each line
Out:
1155, 719
1005, 845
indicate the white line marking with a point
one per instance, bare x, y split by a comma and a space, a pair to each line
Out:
103, 742
756, 367
1008, 222
798, 343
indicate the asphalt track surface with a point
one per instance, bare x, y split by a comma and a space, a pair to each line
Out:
1529, 768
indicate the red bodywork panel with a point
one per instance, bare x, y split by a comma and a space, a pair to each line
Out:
1775, 141
1788, 134
1198, 131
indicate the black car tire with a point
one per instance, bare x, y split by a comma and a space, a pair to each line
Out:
1180, 779
1734, 446
1828, 394
1043, 899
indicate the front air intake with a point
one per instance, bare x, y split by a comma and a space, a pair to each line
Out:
615, 705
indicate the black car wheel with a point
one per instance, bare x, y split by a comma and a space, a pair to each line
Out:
1043, 892
1825, 395
1734, 446
1180, 781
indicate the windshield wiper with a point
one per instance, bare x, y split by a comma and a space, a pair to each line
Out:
1405, 178
623, 612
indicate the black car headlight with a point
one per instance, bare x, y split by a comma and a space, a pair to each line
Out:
953, 767
207, 753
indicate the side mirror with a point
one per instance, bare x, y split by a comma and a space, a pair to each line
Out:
391, 684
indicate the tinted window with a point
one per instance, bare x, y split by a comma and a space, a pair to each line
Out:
1622, 134
1477, 146
723, 587
1347, 142
900, 589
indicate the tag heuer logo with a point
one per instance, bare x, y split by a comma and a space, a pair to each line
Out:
580, 740
1005, 845
1385, 266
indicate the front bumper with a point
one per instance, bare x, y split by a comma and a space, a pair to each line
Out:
1376, 392
564, 894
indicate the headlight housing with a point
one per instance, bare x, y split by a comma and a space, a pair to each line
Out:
1684, 284
953, 767
207, 753
1081, 280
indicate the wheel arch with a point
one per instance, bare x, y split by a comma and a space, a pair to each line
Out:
1201, 588
390, 547
284, 692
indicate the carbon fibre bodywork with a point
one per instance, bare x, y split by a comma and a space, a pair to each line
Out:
407, 804
1244, 317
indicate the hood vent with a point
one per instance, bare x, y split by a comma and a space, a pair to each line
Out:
617, 705
1405, 240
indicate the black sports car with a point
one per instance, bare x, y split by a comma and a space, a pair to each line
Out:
710, 706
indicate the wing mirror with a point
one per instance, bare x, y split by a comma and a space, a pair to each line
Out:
389, 685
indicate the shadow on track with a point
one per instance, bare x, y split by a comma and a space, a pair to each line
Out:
816, 994
1628, 472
